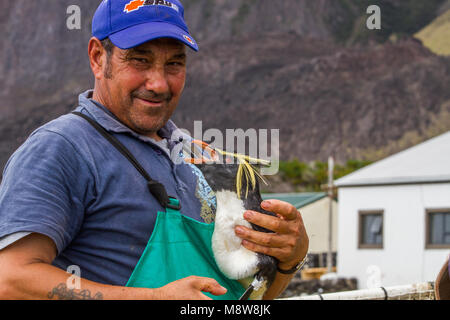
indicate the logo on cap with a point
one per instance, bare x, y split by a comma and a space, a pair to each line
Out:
137, 4
133, 5
188, 39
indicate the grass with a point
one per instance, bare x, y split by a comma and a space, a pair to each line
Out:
436, 36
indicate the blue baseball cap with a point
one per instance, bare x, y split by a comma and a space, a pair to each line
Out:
130, 23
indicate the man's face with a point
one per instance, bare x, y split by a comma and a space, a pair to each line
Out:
142, 86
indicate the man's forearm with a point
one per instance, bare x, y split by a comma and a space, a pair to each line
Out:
38, 281
278, 286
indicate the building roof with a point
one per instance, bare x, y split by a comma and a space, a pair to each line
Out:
427, 162
298, 200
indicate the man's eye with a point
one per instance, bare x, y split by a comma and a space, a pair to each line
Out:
140, 60
175, 63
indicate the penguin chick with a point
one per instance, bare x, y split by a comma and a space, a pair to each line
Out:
255, 271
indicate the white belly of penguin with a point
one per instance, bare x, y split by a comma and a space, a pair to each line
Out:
234, 260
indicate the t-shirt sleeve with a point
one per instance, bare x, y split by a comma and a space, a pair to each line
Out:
45, 185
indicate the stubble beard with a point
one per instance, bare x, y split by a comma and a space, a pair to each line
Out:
149, 120
149, 123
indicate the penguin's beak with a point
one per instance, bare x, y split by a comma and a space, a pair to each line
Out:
200, 152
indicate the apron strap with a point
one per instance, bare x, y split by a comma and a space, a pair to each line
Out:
156, 188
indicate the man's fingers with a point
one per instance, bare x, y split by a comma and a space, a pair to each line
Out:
278, 253
284, 209
209, 285
289, 241
272, 223
263, 238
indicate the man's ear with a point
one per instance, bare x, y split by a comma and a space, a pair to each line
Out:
97, 57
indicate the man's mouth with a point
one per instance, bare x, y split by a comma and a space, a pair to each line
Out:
151, 99
151, 103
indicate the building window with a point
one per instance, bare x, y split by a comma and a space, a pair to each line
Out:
370, 230
438, 229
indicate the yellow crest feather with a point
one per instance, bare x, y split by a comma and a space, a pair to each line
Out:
245, 169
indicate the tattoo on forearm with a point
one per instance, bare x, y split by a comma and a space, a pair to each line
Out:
61, 292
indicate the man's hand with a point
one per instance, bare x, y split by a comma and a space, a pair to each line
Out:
190, 288
289, 242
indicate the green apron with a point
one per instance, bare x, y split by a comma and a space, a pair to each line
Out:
178, 248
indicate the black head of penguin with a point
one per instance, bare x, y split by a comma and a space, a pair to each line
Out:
222, 176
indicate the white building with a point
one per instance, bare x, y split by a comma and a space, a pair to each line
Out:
394, 217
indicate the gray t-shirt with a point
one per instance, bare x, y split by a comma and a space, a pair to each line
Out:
69, 183
10, 239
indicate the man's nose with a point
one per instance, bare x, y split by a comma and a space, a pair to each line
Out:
157, 81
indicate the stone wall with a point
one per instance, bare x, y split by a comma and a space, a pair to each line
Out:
299, 287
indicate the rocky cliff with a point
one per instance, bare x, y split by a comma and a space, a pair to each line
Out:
293, 65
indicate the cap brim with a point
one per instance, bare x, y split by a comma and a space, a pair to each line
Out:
442, 283
142, 33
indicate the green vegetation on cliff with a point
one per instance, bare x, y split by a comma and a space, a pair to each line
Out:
312, 176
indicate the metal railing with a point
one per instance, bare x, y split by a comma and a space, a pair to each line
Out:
417, 291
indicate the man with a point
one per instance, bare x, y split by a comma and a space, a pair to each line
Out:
442, 283
68, 198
